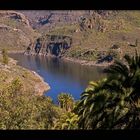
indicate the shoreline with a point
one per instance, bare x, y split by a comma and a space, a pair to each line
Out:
14, 52
86, 63
41, 87
71, 59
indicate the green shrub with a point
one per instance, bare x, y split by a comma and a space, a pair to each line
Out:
67, 121
5, 56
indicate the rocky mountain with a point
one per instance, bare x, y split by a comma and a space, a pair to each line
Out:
15, 30
92, 31
50, 18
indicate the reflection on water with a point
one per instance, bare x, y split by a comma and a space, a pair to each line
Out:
62, 76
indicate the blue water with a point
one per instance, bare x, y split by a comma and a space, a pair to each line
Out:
62, 76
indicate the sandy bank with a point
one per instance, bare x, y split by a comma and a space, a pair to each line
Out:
75, 60
42, 86
87, 63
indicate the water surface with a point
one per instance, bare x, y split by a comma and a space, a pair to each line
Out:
62, 76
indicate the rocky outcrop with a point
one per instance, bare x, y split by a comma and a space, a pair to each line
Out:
55, 45
14, 15
15, 30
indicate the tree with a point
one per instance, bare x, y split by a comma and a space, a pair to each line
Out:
16, 87
21, 110
66, 101
67, 121
5, 56
113, 103
125, 75
91, 105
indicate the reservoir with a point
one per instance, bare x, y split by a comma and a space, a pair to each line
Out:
62, 76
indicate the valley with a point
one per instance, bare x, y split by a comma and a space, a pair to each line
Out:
69, 70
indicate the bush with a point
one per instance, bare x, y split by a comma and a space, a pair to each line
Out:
67, 121
5, 56
21, 110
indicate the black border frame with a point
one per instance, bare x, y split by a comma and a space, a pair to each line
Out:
68, 5
69, 134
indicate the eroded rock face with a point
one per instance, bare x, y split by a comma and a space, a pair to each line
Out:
55, 45
57, 49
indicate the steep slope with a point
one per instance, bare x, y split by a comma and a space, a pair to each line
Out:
15, 31
51, 18
93, 32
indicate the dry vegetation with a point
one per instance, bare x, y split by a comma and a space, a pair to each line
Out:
15, 31
119, 28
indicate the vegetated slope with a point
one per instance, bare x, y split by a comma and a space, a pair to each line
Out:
32, 83
20, 108
15, 30
92, 32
